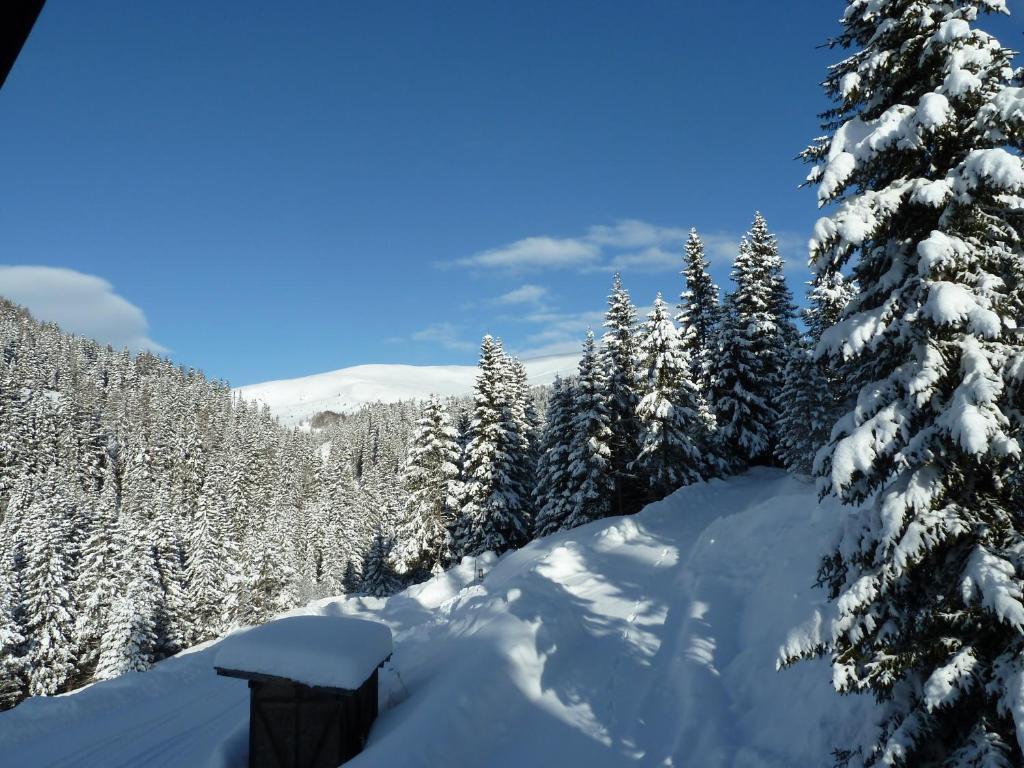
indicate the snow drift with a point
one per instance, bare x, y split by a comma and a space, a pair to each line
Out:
648, 640
295, 401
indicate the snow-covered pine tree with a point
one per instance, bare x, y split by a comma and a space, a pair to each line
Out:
675, 422
813, 393
764, 253
129, 640
493, 509
753, 341
699, 313
619, 377
590, 479
13, 664
431, 478
922, 164
742, 407
49, 574
526, 432
764, 250
379, 579
266, 577
554, 476
337, 526
100, 565
350, 579
829, 295
12, 425
206, 568
168, 558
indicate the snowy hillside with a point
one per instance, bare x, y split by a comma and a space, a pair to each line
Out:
295, 401
645, 640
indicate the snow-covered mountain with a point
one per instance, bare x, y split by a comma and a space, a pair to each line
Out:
646, 640
295, 401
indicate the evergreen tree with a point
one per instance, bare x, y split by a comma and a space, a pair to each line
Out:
379, 580
921, 163
742, 408
675, 422
13, 664
170, 586
431, 479
266, 578
619, 378
205, 565
590, 479
699, 314
525, 437
765, 252
101, 563
493, 513
49, 604
337, 534
554, 472
829, 295
129, 639
813, 391
350, 581
754, 345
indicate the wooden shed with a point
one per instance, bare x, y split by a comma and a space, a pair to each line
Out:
313, 687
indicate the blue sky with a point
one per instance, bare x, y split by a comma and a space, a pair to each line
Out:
280, 189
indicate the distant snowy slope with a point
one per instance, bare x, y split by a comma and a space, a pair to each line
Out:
295, 401
648, 640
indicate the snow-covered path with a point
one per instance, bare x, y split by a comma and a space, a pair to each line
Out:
648, 640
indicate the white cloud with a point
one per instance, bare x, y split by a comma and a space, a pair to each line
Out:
629, 245
524, 294
565, 347
535, 253
632, 233
649, 259
559, 333
82, 304
720, 247
444, 334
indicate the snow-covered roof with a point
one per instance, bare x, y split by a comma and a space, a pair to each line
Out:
326, 651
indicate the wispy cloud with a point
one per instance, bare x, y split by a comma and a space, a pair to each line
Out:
535, 253
653, 258
524, 294
444, 334
629, 245
560, 333
633, 233
82, 304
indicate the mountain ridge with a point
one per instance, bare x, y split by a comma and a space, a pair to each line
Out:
296, 401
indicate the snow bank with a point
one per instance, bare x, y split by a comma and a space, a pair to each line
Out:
648, 640
327, 651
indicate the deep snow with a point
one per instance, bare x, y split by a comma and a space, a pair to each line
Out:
295, 401
648, 640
